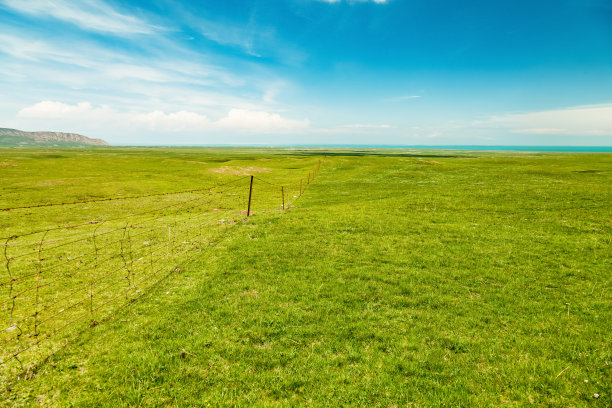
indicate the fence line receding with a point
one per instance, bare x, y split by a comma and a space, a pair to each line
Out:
57, 282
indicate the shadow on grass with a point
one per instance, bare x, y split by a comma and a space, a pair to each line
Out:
373, 154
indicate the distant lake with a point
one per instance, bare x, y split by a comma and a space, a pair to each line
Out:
585, 149
575, 149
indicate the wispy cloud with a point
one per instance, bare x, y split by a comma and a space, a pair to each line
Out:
402, 98
259, 121
32, 49
589, 120
588, 124
95, 71
155, 84
251, 38
540, 131
245, 37
91, 15
368, 126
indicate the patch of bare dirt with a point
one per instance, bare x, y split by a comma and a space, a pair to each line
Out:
48, 183
240, 171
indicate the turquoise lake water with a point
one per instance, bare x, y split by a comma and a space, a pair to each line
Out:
577, 149
574, 149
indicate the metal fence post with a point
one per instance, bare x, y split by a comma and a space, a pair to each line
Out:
250, 194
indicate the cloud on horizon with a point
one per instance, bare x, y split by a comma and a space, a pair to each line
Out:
83, 115
589, 120
368, 126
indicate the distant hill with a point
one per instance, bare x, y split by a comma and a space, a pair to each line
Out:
14, 137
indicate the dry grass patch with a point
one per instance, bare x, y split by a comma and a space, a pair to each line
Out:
240, 171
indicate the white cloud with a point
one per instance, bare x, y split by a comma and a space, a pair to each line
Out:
83, 114
272, 90
55, 110
368, 126
172, 122
156, 73
539, 131
259, 121
590, 120
93, 15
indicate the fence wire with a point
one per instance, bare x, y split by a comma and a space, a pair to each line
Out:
57, 282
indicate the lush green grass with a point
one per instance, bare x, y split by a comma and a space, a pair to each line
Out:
481, 280
56, 282
42, 176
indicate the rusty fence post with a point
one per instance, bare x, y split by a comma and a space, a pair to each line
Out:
38, 277
283, 194
250, 194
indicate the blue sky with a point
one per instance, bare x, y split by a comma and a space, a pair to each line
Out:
399, 72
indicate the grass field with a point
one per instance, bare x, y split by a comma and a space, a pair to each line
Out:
68, 265
398, 279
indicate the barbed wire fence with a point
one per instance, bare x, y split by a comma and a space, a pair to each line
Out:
57, 282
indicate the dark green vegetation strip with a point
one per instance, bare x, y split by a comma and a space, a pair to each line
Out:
395, 281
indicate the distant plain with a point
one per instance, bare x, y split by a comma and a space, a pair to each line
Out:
421, 278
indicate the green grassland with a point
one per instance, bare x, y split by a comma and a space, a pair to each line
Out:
67, 266
399, 278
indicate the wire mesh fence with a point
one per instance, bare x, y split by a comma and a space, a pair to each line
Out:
56, 282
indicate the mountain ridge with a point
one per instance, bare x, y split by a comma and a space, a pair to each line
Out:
15, 137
